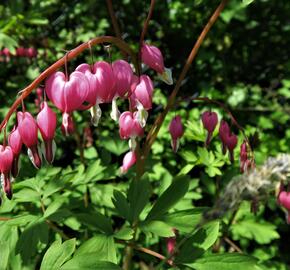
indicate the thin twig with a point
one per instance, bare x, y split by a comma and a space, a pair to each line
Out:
115, 23
147, 251
143, 33
233, 245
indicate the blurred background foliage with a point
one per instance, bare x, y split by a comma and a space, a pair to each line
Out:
244, 63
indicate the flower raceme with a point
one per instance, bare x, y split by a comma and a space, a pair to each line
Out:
28, 131
209, 121
176, 132
6, 161
46, 121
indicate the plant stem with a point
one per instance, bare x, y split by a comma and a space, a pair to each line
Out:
143, 33
147, 251
69, 56
115, 23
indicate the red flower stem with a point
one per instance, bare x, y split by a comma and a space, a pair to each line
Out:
70, 55
152, 135
144, 31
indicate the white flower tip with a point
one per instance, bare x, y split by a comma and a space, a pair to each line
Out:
115, 113
166, 76
96, 114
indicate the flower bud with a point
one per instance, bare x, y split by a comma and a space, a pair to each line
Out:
209, 121
15, 142
231, 143
46, 121
6, 161
152, 57
176, 132
28, 131
224, 131
128, 161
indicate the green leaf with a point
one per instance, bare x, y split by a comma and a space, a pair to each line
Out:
125, 233
114, 145
88, 262
138, 196
262, 232
94, 171
58, 254
184, 220
169, 197
4, 254
197, 244
35, 232
121, 204
158, 228
102, 245
227, 261
98, 220
8, 42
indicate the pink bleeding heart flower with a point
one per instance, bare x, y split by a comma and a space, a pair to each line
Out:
284, 200
142, 94
152, 57
176, 132
224, 131
6, 52
231, 143
6, 161
67, 95
128, 161
15, 142
20, 51
243, 157
46, 121
28, 130
171, 242
123, 75
209, 121
89, 72
105, 82
31, 52
129, 126
101, 86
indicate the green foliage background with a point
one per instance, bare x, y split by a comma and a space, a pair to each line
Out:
79, 213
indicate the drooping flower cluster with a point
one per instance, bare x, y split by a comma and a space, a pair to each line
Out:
87, 87
229, 140
6, 54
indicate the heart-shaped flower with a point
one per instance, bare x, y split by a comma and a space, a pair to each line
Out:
46, 121
67, 95
15, 142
